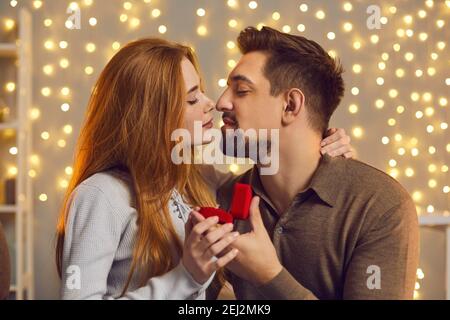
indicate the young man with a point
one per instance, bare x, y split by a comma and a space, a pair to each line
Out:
321, 227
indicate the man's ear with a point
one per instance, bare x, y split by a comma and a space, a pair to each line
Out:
295, 102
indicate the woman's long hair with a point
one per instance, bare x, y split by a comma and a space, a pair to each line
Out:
135, 105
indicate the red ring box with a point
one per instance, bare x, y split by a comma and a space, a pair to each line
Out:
240, 205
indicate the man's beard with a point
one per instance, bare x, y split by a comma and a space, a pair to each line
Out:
239, 143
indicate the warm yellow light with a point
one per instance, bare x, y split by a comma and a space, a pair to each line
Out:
429, 3
35, 113
409, 56
380, 81
156, 13
13, 151
422, 14
415, 96
357, 132
232, 23
286, 29
396, 47
379, 103
414, 152
162, 29
233, 168
134, 23
231, 63
419, 114
393, 93
392, 162
63, 44
63, 183
222, 83
417, 196
301, 27
423, 36
232, 3
68, 171
398, 137
443, 102
9, 24
357, 68
431, 71
393, 173
400, 73
201, 12
385, 140
401, 151
65, 91
32, 173
303, 7
45, 135
391, 122
419, 73
431, 150
446, 189
48, 22
347, 6
253, 5
89, 70
400, 109
432, 168
276, 16
320, 14
231, 45
123, 17
429, 111
37, 4
331, 35
374, 38
116, 45
127, 5
67, 129
440, 23
381, 65
347, 26
356, 45
10, 86
202, 31
61, 143
49, 45
34, 159
93, 21
65, 107
409, 172
441, 45
430, 209
353, 108
43, 197
46, 91
432, 183
355, 91
64, 63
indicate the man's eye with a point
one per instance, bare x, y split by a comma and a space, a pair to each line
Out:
242, 92
192, 102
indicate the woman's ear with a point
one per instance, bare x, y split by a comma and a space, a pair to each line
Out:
295, 101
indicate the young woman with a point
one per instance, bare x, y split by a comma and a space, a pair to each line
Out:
126, 229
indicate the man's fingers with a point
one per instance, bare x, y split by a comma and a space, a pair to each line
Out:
255, 215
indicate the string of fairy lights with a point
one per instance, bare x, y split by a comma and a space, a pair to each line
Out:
399, 62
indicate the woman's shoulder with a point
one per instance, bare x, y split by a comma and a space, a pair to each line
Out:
113, 185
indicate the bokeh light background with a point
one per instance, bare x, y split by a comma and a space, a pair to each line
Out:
395, 108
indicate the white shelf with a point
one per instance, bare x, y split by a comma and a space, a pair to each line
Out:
8, 50
8, 125
8, 208
434, 220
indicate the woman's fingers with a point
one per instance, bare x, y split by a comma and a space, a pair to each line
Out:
214, 235
223, 261
333, 148
201, 227
216, 248
333, 135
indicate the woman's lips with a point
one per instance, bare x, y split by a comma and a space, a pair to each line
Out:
209, 124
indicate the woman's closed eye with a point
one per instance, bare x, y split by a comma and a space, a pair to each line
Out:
192, 102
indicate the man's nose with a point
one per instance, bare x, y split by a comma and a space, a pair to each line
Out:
224, 103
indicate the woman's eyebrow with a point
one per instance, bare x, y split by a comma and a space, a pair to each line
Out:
194, 88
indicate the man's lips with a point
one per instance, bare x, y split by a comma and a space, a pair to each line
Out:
228, 122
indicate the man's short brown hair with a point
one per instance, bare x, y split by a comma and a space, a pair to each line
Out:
296, 62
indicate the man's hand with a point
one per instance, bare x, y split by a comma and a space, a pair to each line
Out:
257, 259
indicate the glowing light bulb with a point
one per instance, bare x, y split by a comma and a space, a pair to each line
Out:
201, 12
320, 14
253, 5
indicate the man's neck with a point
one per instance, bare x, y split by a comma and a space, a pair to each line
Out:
298, 162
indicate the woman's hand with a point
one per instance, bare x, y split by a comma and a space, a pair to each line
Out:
337, 143
203, 241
